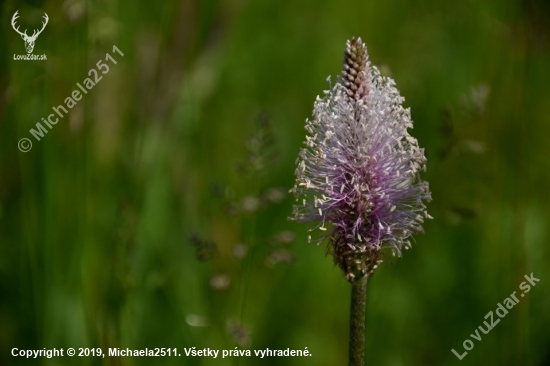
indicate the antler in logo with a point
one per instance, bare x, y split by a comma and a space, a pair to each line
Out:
29, 40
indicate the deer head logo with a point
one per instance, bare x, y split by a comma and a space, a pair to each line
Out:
29, 40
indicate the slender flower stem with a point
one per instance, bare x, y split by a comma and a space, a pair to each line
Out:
357, 322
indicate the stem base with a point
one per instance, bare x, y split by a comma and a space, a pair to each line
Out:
357, 322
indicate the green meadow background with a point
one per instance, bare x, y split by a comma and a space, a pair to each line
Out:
155, 213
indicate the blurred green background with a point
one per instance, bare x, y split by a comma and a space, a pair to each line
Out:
155, 213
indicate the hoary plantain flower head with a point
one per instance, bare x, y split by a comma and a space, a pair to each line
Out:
357, 178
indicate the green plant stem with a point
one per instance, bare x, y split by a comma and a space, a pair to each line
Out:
357, 322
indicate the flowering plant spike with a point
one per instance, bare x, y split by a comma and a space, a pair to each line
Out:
359, 169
